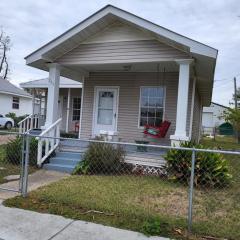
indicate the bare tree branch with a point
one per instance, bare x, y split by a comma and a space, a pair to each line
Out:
6, 69
3, 58
4, 48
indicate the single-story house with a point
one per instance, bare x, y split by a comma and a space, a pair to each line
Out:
14, 99
212, 117
69, 100
133, 72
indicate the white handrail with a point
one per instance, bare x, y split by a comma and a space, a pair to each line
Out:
50, 127
28, 123
46, 143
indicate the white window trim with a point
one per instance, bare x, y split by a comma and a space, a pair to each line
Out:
139, 104
73, 108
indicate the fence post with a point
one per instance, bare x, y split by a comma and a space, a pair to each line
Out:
25, 171
190, 203
22, 163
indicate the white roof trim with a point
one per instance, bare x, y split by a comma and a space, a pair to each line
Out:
43, 83
195, 47
15, 94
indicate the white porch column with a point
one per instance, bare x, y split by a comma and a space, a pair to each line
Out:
68, 109
33, 101
81, 111
53, 94
182, 102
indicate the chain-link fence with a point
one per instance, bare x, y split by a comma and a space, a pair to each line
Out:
13, 155
149, 188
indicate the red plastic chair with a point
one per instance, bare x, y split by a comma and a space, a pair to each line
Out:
76, 126
157, 132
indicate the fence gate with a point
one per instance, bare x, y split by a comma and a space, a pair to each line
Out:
13, 156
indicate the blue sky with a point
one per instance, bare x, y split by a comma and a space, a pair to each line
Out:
30, 24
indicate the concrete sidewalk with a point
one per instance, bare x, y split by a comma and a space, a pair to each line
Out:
18, 224
35, 180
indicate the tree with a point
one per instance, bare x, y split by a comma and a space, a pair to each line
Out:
4, 48
232, 115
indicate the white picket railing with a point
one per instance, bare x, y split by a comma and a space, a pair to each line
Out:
48, 141
28, 123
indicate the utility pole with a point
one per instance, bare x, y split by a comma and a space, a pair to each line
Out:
235, 92
236, 104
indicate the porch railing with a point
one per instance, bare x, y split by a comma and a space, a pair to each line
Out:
28, 123
48, 141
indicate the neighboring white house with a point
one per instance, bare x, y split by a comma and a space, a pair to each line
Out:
69, 100
14, 99
212, 117
134, 73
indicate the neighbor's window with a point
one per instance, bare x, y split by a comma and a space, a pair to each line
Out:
151, 105
76, 108
15, 103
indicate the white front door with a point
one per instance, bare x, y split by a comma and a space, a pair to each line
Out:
105, 110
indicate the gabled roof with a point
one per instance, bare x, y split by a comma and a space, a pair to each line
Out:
107, 13
43, 83
204, 55
8, 88
220, 105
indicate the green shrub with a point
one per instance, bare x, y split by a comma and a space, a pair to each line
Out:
102, 158
152, 227
211, 169
14, 151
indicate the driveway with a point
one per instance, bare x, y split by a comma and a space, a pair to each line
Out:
18, 224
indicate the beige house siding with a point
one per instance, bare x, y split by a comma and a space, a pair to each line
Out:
129, 84
121, 52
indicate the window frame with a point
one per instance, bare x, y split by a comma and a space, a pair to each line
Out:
74, 97
140, 99
14, 102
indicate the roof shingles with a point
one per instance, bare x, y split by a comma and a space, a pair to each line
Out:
9, 88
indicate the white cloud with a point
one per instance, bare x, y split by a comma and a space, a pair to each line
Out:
31, 24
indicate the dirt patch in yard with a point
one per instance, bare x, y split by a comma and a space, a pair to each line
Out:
4, 139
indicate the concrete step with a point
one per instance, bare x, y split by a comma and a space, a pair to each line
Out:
69, 155
64, 161
73, 149
59, 167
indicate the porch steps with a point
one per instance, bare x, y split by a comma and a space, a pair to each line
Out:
73, 146
64, 161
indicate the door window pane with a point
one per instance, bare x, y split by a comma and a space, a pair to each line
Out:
105, 107
105, 100
105, 117
76, 108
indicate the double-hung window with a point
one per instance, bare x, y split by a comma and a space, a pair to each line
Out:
76, 108
151, 106
15, 102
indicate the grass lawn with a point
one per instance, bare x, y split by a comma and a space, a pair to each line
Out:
143, 203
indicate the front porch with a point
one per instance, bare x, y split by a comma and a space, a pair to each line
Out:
119, 103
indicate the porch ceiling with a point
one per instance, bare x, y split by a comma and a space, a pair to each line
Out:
128, 67
202, 69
